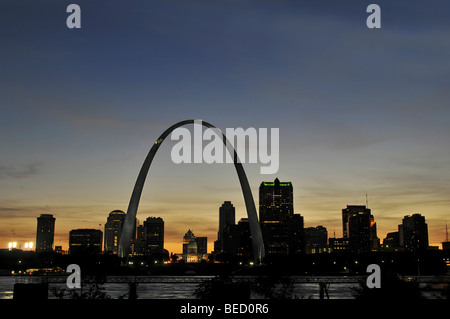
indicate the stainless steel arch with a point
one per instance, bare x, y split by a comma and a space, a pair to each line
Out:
255, 229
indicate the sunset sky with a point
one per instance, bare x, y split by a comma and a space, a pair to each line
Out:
358, 110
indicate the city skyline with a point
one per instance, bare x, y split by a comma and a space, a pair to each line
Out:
359, 111
214, 247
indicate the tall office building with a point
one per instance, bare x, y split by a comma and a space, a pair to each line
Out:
113, 229
227, 217
359, 227
298, 234
414, 233
359, 232
348, 212
276, 210
150, 237
374, 240
202, 246
238, 240
154, 233
45, 233
85, 241
138, 243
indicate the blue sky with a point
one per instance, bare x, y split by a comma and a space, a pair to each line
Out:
359, 110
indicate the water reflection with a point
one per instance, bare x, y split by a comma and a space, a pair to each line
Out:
186, 290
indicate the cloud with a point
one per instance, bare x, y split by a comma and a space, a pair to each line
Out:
21, 171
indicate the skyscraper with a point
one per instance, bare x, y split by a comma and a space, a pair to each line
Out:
227, 217
45, 232
298, 235
150, 237
202, 246
358, 225
238, 240
348, 212
113, 229
414, 233
276, 209
154, 234
359, 232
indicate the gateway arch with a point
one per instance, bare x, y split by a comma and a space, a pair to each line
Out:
129, 224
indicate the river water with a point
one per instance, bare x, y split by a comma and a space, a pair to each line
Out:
186, 290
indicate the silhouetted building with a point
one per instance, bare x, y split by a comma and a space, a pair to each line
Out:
150, 237
358, 225
347, 213
316, 240
238, 240
85, 241
359, 232
392, 241
276, 209
230, 240
338, 244
59, 250
415, 233
202, 246
374, 240
113, 229
226, 218
154, 234
446, 243
298, 243
245, 247
45, 232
